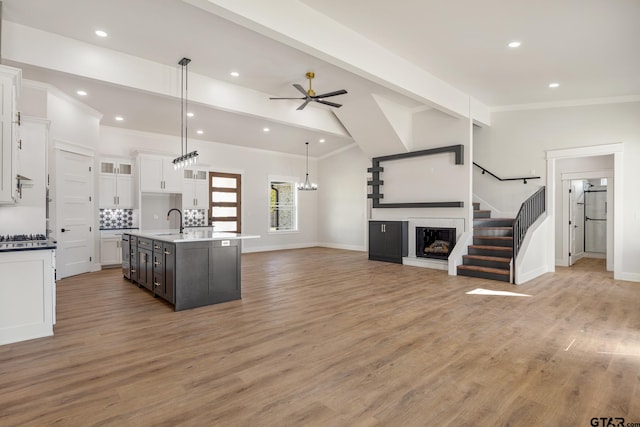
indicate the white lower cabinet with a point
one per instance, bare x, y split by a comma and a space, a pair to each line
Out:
111, 249
27, 295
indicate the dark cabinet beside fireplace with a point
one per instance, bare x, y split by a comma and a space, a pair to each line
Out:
388, 240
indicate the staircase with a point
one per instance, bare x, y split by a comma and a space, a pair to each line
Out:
491, 255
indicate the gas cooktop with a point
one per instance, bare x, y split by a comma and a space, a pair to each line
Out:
22, 238
24, 242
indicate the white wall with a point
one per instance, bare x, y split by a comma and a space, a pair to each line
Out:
254, 165
434, 178
72, 122
517, 141
342, 199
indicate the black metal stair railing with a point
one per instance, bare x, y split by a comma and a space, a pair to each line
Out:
523, 178
529, 212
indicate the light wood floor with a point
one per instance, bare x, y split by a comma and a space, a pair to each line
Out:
324, 337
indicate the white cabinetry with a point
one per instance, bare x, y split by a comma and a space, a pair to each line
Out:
27, 295
157, 175
111, 249
116, 184
10, 80
195, 189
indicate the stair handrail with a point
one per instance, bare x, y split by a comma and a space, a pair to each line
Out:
524, 178
529, 212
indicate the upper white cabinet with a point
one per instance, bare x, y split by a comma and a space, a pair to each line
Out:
195, 189
116, 184
157, 175
10, 81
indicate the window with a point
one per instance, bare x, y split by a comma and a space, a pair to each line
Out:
225, 205
283, 209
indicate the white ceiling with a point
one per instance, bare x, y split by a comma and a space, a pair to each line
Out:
589, 46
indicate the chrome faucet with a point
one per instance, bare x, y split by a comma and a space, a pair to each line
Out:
177, 210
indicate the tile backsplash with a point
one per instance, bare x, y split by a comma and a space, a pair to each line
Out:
195, 217
116, 218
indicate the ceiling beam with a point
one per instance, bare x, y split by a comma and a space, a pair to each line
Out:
298, 25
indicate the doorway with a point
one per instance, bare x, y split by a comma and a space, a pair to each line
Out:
558, 207
225, 201
588, 217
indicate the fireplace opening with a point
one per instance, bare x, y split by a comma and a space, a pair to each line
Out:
434, 242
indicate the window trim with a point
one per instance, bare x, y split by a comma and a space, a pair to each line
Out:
293, 181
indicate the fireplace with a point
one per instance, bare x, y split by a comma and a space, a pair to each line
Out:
432, 242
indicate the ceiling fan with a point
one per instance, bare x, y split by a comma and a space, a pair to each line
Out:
310, 95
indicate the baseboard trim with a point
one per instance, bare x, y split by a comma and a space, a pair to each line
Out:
279, 247
522, 278
345, 247
630, 277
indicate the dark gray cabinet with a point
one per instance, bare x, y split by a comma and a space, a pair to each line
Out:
164, 264
214, 275
187, 274
145, 264
388, 240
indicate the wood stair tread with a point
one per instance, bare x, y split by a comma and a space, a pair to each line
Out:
485, 269
493, 228
499, 219
494, 237
493, 248
487, 258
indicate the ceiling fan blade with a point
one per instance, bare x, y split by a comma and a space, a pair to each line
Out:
333, 104
304, 104
301, 89
326, 95
287, 98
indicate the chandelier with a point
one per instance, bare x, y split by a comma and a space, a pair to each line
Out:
307, 185
186, 158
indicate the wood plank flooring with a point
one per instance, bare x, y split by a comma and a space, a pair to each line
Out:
323, 337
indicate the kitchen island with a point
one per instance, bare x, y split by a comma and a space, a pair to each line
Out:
190, 269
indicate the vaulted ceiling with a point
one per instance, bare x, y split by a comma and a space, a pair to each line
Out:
416, 54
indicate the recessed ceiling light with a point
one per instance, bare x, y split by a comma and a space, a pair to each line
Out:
189, 114
322, 140
234, 74
82, 93
119, 118
554, 85
514, 44
101, 33
266, 129
199, 131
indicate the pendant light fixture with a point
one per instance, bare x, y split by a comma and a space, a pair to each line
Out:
186, 158
308, 185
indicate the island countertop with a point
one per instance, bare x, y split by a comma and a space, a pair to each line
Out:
174, 236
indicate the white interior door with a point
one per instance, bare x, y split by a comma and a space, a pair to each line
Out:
74, 191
